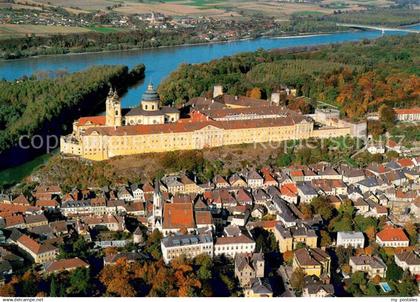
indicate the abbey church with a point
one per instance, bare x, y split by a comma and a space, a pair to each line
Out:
201, 123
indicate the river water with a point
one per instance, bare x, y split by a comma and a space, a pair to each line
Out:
160, 62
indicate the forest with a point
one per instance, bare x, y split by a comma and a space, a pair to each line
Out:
357, 77
48, 106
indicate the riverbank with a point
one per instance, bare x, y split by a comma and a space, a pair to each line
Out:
285, 36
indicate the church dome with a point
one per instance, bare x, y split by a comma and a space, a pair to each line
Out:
150, 94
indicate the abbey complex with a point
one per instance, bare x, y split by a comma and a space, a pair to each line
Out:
201, 123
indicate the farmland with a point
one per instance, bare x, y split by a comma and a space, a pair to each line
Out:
15, 30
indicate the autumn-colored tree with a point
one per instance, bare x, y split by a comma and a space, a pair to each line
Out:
346, 268
7, 290
306, 210
411, 230
376, 279
300, 104
375, 128
359, 251
370, 232
296, 279
325, 239
116, 279
254, 93
369, 250
185, 278
386, 116
121, 288
288, 256
112, 250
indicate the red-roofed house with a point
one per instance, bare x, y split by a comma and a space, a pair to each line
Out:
289, 192
243, 197
269, 180
65, 265
411, 114
41, 253
405, 162
392, 237
47, 204
21, 199
176, 217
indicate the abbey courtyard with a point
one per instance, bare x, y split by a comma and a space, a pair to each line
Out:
202, 122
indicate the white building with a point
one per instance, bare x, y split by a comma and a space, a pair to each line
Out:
392, 237
230, 246
409, 261
411, 115
188, 245
353, 239
372, 265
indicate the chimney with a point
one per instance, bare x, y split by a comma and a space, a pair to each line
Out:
217, 90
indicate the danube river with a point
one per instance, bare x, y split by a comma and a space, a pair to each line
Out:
160, 62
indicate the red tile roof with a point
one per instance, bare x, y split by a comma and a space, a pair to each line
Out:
21, 199
265, 224
415, 110
289, 189
65, 264
392, 234
94, 120
178, 215
34, 246
192, 126
14, 220
46, 203
296, 173
203, 217
405, 162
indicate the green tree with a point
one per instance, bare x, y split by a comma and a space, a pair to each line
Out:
153, 244
408, 286
371, 290
387, 116
325, 239
205, 264
343, 255
393, 271
79, 282
53, 287
283, 160
359, 278
322, 207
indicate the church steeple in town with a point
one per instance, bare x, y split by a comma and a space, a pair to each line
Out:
113, 109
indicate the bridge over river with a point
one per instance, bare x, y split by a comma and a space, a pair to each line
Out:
379, 28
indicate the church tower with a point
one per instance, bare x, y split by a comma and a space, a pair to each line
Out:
157, 208
113, 109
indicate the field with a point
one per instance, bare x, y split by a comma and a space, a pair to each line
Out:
173, 8
13, 30
216, 8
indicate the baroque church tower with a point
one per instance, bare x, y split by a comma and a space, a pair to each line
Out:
113, 109
157, 208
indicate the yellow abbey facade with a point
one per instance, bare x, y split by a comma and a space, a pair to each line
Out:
204, 123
